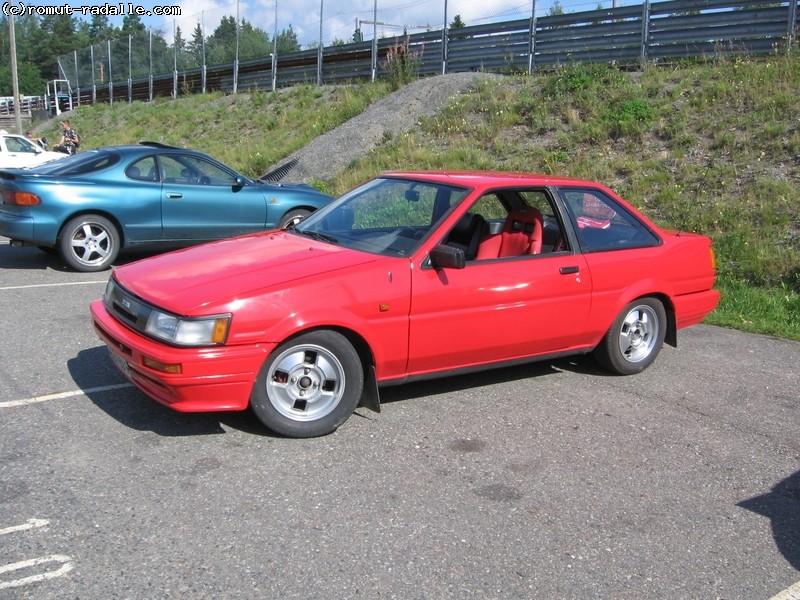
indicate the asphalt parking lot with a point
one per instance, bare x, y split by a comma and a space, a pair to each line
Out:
551, 480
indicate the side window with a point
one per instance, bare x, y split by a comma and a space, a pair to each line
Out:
602, 224
17, 145
508, 224
492, 210
191, 170
143, 170
554, 238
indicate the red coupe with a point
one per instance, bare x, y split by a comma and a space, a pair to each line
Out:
410, 275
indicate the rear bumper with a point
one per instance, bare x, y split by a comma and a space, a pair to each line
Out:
691, 309
210, 379
16, 227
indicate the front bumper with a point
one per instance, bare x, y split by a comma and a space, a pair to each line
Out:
210, 379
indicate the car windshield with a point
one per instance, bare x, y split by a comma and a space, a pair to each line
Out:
80, 164
384, 216
20, 144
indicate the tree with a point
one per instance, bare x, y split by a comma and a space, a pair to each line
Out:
287, 41
58, 36
28, 77
457, 23
556, 9
99, 29
221, 45
253, 42
131, 24
195, 46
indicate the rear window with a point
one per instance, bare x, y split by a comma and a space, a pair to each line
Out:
80, 164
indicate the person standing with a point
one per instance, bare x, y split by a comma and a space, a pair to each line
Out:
70, 140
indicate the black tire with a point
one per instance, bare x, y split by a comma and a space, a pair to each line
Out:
89, 243
635, 338
309, 385
293, 217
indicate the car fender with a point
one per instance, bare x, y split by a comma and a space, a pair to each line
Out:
650, 287
365, 336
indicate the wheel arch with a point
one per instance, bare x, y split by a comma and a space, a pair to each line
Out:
671, 334
370, 397
308, 208
100, 213
654, 289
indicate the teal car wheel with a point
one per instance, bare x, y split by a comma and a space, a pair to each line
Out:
293, 217
89, 243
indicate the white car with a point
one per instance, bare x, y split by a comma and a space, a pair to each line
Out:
17, 151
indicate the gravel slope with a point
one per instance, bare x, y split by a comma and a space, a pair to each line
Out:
326, 156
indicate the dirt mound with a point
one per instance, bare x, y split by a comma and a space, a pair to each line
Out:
330, 153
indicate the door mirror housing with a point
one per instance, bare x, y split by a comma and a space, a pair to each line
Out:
447, 257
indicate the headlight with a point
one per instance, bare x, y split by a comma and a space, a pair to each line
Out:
203, 331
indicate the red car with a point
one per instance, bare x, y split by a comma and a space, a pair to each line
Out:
410, 275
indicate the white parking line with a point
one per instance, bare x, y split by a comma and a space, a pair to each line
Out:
45, 285
790, 593
29, 525
62, 395
65, 561
65, 568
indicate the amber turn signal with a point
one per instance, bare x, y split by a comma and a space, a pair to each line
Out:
21, 198
157, 365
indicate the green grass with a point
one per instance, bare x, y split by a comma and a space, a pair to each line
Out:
705, 146
249, 131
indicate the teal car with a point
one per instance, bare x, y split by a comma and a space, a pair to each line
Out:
92, 205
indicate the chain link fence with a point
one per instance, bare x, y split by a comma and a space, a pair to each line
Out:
209, 37
208, 50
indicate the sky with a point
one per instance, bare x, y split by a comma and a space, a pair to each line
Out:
338, 16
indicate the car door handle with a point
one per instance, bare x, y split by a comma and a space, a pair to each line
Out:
174, 195
568, 270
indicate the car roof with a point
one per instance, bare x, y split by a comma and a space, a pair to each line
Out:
148, 147
491, 178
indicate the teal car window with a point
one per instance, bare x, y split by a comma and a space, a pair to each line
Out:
80, 164
143, 169
191, 170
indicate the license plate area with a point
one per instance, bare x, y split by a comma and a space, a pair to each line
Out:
121, 364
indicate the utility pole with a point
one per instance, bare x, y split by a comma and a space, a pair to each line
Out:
15, 75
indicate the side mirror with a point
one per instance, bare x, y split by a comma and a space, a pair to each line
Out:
239, 182
447, 257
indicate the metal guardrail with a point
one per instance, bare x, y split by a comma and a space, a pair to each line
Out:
635, 35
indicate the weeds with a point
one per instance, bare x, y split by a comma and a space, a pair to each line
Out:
703, 146
401, 64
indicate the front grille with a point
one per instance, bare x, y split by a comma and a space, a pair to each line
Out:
126, 307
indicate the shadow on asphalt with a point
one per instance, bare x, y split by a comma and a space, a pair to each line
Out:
35, 259
781, 506
93, 372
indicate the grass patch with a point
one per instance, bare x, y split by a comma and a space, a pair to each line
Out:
706, 146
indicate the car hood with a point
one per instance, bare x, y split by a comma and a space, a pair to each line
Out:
206, 277
33, 160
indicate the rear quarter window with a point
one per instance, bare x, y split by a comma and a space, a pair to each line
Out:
81, 164
602, 224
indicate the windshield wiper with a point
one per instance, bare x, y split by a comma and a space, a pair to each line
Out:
322, 237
